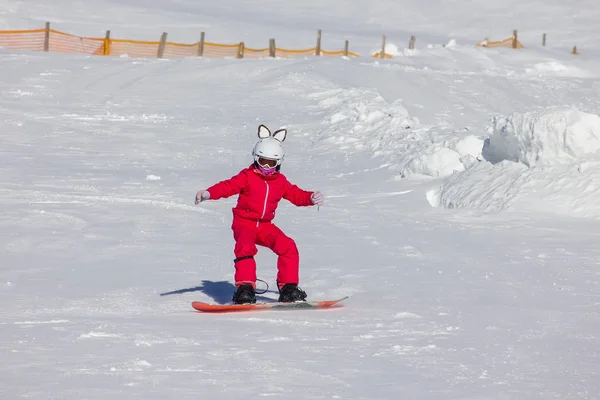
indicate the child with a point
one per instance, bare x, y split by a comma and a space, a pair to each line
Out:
260, 187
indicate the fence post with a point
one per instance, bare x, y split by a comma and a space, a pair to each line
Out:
574, 52
162, 45
411, 43
515, 39
241, 50
107, 44
544, 39
47, 37
201, 45
318, 52
382, 55
346, 48
272, 47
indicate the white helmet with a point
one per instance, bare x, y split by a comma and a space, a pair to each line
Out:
270, 145
269, 148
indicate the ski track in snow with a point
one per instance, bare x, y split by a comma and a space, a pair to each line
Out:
101, 259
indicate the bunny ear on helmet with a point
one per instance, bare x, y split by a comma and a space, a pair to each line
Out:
280, 134
263, 132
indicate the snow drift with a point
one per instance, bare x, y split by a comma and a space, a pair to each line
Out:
543, 137
536, 161
439, 155
361, 119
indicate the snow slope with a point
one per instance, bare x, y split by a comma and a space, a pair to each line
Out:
493, 297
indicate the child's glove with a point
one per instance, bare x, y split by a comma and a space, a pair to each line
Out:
317, 198
202, 195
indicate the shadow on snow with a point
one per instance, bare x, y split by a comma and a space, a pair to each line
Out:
221, 292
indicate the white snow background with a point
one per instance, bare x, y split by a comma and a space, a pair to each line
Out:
462, 203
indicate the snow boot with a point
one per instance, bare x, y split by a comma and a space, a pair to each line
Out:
245, 294
290, 292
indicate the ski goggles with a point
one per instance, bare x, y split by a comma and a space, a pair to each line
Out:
266, 163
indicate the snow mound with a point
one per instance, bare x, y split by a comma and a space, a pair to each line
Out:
358, 120
544, 161
440, 158
555, 68
390, 49
451, 43
484, 186
543, 137
566, 189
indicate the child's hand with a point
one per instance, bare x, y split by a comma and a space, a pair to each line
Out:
202, 195
317, 198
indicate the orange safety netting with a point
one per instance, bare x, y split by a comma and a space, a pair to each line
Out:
32, 40
180, 50
65, 43
217, 50
132, 48
256, 53
502, 43
56, 41
378, 55
338, 53
295, 53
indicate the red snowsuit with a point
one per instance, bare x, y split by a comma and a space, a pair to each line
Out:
259, 195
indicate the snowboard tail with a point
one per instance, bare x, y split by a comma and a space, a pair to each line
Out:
300, 305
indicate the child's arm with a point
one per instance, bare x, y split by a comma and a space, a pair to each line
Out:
297, 196
223, 189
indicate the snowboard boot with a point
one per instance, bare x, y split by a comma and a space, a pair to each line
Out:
290, 292
245, 294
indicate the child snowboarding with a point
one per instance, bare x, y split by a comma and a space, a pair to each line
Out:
260, 187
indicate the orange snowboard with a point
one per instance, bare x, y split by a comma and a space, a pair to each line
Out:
301, 305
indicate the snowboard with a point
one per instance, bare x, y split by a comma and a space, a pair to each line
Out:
300, 305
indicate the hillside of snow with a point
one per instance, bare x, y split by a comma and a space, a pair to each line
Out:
460, 215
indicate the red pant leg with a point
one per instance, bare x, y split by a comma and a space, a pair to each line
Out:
244, 250
288, 261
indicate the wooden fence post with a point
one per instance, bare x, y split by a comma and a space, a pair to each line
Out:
574, 52
241, 50
107, 44
544, 39
346, 48
162, 45
201, 45
318, 52
411, 43
272, 47
383, 47
47, 37
515, 39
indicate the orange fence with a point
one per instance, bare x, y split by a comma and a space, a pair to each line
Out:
513, 42
48, 39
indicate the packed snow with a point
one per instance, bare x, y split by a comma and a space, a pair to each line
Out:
545, 160
460, 216
543, 137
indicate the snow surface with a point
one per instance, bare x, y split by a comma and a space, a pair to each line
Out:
461, 211
543, 160
543, 137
